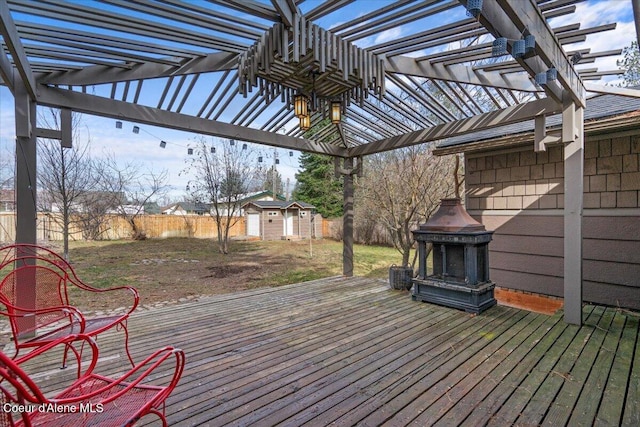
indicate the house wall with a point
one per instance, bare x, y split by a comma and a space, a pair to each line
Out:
303, 224
520, 195
272, 224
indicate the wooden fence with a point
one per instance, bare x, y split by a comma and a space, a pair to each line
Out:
154, 226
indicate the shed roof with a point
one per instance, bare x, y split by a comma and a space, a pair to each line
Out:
188, 206
277, 204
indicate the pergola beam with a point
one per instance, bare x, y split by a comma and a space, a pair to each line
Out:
106, 107
526, 15
286, 9
459, 73
251, 7
499, 24
100, 74
10, 35
636, 18
7, 70
513, 114
612, 90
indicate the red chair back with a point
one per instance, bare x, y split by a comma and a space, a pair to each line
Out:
49, 288
17, 391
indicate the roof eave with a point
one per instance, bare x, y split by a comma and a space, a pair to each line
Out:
608, 124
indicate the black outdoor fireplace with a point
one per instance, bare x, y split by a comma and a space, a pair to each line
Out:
460, 270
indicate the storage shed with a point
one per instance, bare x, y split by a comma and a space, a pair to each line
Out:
275, 220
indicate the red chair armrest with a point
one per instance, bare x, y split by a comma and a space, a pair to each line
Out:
135, 377
81, 285
26, 312
70, 339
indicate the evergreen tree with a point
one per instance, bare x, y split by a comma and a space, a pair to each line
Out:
232, 184
317, 185
270, 175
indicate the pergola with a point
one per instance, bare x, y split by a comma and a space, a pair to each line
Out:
234, 69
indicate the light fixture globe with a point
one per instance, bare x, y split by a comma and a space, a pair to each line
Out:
300, 105
305, 122
336, 112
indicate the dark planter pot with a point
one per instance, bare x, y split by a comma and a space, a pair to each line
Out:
400, 277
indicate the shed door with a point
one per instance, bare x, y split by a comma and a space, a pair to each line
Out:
288, 223
253, 224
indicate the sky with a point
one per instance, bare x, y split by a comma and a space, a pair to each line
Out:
144, 147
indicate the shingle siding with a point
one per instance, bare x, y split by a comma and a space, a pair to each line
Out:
526, 253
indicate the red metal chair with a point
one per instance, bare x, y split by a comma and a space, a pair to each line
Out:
92, 399
47, 313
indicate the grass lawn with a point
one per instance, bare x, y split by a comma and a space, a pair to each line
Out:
169, 270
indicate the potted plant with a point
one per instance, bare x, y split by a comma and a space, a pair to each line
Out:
400, 277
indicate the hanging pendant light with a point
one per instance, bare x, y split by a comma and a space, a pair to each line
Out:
300, 105
541, 79
529, 43
499, 47
474, 7
305, 122
336, 113
518, 49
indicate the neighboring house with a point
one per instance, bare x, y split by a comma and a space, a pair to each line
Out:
191, 208
275, 220
185, 208
520, 194
151, 208
104, 201
7, 200
243, 199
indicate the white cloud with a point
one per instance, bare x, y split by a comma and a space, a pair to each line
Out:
390, 34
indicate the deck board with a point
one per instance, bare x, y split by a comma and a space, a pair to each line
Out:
344, 352
631, 415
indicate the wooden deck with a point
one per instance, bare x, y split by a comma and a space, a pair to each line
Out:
353, 352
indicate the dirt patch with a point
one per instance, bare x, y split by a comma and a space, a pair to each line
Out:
179, 269
222, 271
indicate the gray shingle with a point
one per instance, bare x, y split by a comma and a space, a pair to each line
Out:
598, 107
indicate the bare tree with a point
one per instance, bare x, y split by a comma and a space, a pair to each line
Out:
7, 172
126, 189
93, 218
404, 187
66, 175
222, 176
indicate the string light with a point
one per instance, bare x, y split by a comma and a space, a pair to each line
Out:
474, 8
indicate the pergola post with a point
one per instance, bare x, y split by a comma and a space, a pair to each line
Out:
25, 109
25, 187
347, 219
573, 137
